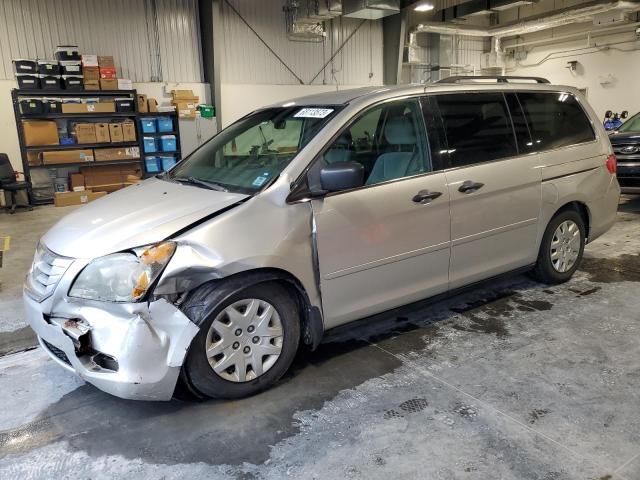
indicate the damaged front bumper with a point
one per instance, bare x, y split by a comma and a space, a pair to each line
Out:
130, 350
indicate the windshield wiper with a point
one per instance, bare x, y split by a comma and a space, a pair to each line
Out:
200, 183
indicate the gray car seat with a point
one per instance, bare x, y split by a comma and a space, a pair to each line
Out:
400, 133
341, 150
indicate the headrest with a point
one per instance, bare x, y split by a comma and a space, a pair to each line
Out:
399, 131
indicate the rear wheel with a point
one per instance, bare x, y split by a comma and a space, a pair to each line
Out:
561, 248
246, 342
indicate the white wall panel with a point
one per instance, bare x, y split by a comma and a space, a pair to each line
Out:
246, 59
125, 29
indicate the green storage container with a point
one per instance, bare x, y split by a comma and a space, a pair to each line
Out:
207, 111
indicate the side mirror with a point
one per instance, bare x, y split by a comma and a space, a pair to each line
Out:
341, 176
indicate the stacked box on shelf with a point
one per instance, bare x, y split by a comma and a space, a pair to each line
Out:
90, 72
185, 102
107, 69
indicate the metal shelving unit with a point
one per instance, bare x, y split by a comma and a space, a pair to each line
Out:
135, 116
175, 131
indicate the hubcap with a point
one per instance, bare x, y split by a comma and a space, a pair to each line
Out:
565, 246
244, 340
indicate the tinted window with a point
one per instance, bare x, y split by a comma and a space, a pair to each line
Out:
520, 127
555, 119
477, 127
388, 140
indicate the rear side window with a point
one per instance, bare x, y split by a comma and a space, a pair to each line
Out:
477, 127
555, 119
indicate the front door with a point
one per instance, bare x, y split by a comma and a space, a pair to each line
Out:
494, 184
387, 243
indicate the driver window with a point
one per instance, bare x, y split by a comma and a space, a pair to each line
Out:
388, 140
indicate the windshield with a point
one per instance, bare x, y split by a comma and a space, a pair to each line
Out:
252, 152
631, 125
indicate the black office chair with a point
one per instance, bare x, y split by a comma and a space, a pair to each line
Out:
8, 183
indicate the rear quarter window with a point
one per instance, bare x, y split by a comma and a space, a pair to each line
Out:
555, 120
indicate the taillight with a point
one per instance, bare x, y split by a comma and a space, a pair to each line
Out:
612, 164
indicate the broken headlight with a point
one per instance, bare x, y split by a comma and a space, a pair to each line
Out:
122, 277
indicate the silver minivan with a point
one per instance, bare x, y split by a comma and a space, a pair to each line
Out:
310, 214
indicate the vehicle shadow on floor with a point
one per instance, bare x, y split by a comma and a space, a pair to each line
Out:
232, 432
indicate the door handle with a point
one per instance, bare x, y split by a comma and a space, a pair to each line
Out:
425, 196
470, 187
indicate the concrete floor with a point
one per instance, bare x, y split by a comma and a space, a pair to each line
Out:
515, 380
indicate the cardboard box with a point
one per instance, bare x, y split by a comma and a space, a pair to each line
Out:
65, 199
102, 107
185, 109
115, 132
40, 132
106, 61
91, 73
109, 178
152, 105
92, 84
67, 156
76, 182
102, 133
108, 84
85, 133
129, 131
34, 159
89, 60
108, 73
142, 103
116, 154
182, 94
125, 84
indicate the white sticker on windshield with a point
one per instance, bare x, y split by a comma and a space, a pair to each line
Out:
259, 181
314, 112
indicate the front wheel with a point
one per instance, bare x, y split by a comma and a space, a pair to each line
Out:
561, 248
246, 342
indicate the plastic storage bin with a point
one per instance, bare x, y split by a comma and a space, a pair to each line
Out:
150, 145
152, 165
48, 67
23, 65
165, 124
168, 143
167, 162
71, 68
148, 125
125, 105
50, 105
31, 106
68, 53
27, 82
72, 82
50, 82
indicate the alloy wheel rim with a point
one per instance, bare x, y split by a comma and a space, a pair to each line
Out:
565, 246
244, 340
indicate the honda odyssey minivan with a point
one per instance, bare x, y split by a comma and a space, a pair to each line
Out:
310, 214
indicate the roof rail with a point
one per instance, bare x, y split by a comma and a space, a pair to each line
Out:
497, 78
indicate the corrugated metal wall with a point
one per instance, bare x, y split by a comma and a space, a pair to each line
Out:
151, 40
247, 60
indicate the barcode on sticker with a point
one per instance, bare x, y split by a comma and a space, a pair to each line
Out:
314, 112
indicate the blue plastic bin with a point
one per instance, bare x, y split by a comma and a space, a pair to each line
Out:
165, 124
167, 162
152, 165
168, 143
150, 145
148, 125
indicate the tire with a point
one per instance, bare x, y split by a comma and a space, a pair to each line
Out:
545, 270
209, 307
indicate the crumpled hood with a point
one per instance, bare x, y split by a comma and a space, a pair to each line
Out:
137, 215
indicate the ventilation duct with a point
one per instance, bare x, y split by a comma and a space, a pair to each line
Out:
370, 9
480, 7
304, 21
572, 15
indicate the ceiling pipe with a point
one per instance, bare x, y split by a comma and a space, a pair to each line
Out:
573, 15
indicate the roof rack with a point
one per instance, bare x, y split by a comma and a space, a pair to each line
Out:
497, 78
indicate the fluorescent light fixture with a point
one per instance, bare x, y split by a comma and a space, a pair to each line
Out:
424, 7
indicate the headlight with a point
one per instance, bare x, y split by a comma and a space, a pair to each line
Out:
122, 277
